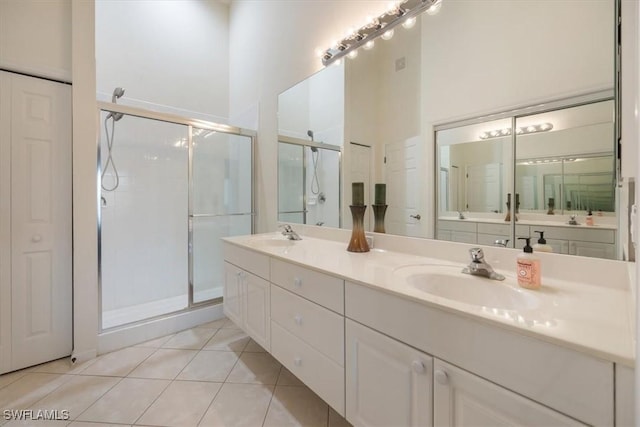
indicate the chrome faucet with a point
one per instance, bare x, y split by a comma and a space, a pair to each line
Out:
501, 243
288, 231
479, 267
461, 215
573, 220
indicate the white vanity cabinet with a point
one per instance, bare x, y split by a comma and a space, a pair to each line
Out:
462, 399
307, 326
567, 381
387, 383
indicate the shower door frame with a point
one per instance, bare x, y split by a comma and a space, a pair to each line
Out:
191, 123
304, 143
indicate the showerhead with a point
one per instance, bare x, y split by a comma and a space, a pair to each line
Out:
117, 93
310, 134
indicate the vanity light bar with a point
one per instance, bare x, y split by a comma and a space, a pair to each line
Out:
497, 133
401, 12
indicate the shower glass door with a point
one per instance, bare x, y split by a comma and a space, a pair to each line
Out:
144, 228
171, 188
220, 206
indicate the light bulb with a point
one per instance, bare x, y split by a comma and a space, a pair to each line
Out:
435, 7
369, 45
484, 135
353, 54
387, 34
338, 62
409, 22
319, 52
531, 129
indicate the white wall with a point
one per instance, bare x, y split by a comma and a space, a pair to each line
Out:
170, 55
35, 37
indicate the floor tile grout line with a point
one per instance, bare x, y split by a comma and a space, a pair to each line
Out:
154, 400
101, 396
273, 393
210, 403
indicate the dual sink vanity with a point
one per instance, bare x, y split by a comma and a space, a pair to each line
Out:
393, 338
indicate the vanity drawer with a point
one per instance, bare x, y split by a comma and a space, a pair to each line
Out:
490, 228
317, 371
568, 381
317, 326
460, 225
325, 290
248, 260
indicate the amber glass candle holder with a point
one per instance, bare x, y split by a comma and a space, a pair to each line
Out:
358, 242
378, 214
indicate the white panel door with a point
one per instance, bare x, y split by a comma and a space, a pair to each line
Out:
406, 210
387, 383
484, 186
463, 399
257, 309
5, 222
41, 221
232, 295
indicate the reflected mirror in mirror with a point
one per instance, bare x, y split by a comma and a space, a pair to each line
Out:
464, 62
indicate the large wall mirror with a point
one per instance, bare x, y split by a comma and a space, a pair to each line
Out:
407, 112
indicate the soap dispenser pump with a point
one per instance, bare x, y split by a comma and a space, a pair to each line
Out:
542, 246
528, 267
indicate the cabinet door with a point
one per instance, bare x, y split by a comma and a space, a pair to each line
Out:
232, 297
592, 249
387, 382
463, 399
257, 308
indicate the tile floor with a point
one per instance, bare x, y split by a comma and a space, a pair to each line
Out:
212, 375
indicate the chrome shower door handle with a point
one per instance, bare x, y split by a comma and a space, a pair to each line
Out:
416, 216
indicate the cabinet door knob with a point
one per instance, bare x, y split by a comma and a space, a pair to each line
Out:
297, 281
298, 319
442, 377
418, 367
36, 238
297, 361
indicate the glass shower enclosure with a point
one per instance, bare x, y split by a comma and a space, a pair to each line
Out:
170, 188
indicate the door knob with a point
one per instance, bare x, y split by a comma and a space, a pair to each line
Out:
416, 216
36, 238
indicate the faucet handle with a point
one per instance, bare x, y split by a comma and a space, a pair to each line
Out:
287, 228
477, 254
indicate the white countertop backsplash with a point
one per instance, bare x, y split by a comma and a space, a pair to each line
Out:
585, 303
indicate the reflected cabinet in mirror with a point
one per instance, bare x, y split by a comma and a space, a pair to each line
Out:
405, 112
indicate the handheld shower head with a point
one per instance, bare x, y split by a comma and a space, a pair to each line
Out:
310, 134
117, 93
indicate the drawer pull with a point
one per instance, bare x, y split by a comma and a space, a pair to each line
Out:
298, 282
442, 377
418, 367
298, 319
297, 361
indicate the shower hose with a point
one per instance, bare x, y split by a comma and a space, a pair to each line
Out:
109, 155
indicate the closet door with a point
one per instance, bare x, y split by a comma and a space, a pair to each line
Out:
5, 222
41, 221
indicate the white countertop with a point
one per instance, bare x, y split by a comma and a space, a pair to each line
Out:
593, 318
599, 223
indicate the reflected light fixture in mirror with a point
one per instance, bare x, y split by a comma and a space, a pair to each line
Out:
497, 133
401, 12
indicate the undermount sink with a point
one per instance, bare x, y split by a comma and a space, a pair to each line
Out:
273, 241
449, 282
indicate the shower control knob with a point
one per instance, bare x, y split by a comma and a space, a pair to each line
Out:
36, 238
